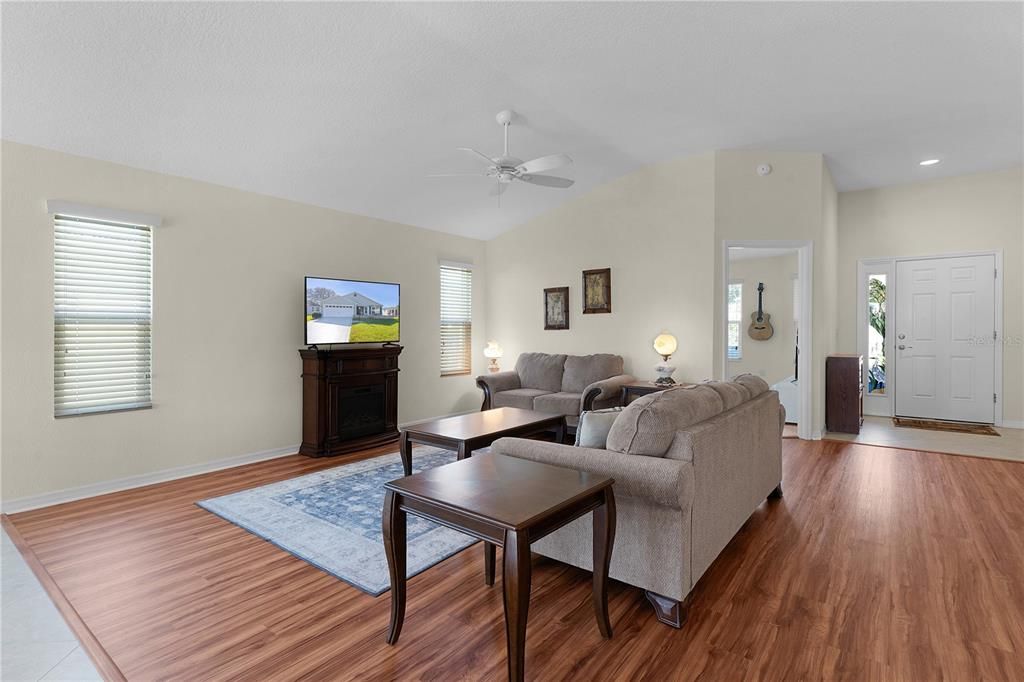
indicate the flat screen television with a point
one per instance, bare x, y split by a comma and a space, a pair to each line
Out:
351, 311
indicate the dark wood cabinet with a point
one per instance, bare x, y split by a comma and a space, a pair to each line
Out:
349, 399
844, 393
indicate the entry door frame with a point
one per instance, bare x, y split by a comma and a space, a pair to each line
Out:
866, 266
805, 429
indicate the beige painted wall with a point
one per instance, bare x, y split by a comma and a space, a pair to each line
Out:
225, 383
226, 378
981, 212
660, 229
771, 359
796, 201
655, 229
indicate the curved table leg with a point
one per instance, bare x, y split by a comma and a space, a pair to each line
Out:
405, 449
394, 548
516, 566
604, 539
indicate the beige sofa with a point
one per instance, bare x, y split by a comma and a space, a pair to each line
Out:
690, 466
559, 384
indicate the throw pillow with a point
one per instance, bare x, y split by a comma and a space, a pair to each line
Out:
592, 431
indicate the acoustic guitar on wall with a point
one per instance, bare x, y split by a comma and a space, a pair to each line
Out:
760, 328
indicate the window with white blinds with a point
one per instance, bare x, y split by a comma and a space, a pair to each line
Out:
102, 316
456, 319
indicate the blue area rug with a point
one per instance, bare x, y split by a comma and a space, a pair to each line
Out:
332, 519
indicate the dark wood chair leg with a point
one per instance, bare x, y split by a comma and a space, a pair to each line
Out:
604, 540
776, 494
488, 564
667, 610
516, 579
405, 449
394, 548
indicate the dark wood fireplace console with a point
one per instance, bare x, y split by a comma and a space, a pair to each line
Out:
349, 399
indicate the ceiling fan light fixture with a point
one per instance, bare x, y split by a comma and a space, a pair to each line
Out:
505, 168
929, 162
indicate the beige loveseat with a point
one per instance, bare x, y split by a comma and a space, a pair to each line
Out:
559, 384
690, 465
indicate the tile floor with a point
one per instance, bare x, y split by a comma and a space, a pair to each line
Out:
881, 431
35, 642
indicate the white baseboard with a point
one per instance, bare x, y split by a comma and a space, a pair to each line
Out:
1011, 425
93, 489
104, 487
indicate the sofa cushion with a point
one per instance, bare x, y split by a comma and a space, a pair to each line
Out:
583, 370
594, 426
558, 403
731, 392
517, 397
649, 424
541, 371
753, 383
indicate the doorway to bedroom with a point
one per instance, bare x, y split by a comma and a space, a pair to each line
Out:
767, 322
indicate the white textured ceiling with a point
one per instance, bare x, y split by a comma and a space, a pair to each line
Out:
350, 106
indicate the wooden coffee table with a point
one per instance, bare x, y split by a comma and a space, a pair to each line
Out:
506, 502
469, 432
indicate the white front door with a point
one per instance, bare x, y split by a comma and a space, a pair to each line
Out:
945, 352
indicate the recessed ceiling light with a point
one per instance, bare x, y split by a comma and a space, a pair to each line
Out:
929, 162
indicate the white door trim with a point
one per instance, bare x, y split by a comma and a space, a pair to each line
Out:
805, 254
892, 293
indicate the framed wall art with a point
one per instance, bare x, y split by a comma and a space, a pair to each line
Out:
597, 291
556, 308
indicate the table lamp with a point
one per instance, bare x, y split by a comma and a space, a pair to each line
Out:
665, 345
493, 352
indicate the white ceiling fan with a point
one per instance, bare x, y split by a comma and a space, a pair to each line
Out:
506, 168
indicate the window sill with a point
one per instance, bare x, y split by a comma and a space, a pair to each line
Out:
110, 411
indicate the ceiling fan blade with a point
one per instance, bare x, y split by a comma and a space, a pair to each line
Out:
483, 156
498, 189
457, 175
546, 180
544, 163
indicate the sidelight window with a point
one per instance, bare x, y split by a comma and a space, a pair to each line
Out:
876, 334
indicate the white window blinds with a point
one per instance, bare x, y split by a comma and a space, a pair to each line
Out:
102, 314
735, 329
456, 319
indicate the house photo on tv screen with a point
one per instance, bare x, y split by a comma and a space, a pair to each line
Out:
349, 311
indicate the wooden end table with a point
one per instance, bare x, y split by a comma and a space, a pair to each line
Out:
506, 502
641, 388
469, 432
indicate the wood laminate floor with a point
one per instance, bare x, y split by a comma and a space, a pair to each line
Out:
879, 564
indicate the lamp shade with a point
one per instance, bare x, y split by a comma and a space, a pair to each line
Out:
493, 350
665, 344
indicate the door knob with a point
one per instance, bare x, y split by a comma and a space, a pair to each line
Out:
902, 347
902, 336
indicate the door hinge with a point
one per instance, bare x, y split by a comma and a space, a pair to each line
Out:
994, 398
995, 273
993, 334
